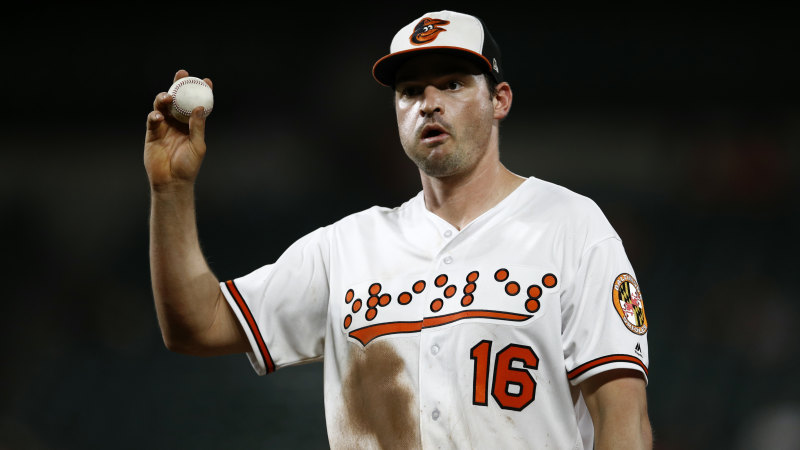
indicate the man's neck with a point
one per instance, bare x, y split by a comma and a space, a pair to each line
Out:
460, 199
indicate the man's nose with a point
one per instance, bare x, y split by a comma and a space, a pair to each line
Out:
431, 101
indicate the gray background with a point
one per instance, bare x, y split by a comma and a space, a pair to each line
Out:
683, 125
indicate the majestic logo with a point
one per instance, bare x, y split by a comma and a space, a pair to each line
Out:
627, 299
426, 30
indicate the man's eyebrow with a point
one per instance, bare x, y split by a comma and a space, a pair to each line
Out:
460, 72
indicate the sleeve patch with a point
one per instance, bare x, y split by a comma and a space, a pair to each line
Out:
627, 299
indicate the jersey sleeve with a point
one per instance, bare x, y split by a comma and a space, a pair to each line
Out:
283, 306
603, 322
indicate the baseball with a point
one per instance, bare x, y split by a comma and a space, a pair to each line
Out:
187, 94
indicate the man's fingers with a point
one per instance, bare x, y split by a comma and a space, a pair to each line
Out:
180, 74
154, 121
162, 102
184, 73
161, 115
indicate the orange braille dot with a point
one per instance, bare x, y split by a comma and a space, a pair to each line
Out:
349, 296
404, 298
532, 305
501, 275
357, 305
347, 321
436, 305
372, 301
371, 313
419, 286
534, 291
472, 276
549, 280
385, 299
441, 280
470, 288
374, 289
467, 300
450, 291
512, 288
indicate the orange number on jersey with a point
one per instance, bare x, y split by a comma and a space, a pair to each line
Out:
480, 354
506, 375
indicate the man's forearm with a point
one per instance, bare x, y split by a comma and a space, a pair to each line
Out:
624, 433
185, 291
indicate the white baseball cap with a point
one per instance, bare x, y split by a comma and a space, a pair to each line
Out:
445, 32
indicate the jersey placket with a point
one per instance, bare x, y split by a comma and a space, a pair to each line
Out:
435, 353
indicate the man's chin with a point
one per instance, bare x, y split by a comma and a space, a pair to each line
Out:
438, 161
439, 168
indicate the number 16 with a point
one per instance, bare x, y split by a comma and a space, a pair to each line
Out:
505, 375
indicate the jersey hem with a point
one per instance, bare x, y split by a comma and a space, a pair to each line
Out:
605, 363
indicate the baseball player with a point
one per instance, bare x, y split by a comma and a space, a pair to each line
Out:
489, 311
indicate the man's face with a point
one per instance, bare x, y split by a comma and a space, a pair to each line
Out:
444, 113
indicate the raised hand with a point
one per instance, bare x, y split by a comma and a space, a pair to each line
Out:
173, 151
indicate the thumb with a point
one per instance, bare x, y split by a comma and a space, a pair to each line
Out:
197, 128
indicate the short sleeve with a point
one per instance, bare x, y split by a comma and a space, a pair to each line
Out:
283, 306
604, 325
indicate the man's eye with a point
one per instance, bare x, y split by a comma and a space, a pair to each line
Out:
410, 91
453, 85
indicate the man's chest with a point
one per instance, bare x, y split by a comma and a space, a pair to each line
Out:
396, 286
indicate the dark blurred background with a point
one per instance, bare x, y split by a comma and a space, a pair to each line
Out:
683, 125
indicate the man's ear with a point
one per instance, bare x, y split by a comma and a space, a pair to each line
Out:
502, 101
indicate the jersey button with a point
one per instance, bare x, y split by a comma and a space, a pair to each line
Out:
434, 349
448, 259
435, 414
448, 233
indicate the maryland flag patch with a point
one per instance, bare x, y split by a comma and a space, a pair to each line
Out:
627, 299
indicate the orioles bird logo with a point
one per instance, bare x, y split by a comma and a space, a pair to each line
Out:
426, 30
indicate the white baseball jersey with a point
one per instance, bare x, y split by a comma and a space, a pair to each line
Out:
436, 337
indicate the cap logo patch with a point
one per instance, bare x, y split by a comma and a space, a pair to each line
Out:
627, 299
426, 30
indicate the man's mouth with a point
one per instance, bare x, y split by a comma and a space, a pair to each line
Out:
433, 133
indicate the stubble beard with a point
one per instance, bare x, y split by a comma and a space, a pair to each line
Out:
437, 161
436, 164
447, 159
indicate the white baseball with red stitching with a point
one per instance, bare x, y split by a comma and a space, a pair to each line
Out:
187, 94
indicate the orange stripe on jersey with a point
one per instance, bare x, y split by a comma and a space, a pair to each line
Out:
366, 334
262, 347
580, 370
429, 322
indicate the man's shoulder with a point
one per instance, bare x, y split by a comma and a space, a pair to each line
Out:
564, 208
557, 198
378, 213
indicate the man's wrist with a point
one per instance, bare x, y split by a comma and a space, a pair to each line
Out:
172, 188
